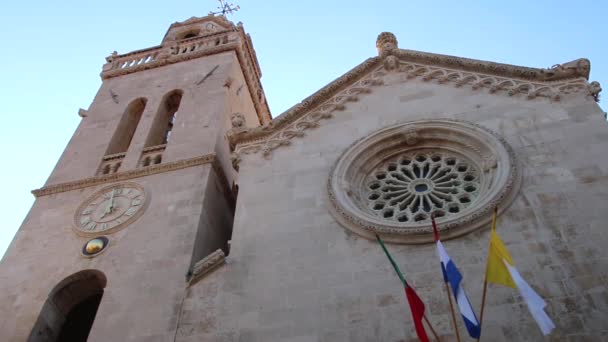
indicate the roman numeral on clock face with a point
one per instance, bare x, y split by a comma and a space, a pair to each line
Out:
130, 211
84, 220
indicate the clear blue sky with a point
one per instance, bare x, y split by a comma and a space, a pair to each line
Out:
52, 52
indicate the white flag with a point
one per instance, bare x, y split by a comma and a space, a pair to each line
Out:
535, 303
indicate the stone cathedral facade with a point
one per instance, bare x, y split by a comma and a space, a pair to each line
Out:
181, 211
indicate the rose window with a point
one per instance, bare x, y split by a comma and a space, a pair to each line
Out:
394, 180
416, 185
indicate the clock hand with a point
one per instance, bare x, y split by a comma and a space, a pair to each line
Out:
111, 206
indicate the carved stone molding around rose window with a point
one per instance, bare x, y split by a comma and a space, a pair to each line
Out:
390, 184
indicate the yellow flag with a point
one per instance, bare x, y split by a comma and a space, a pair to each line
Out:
497, 272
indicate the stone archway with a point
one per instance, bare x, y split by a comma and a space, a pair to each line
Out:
69, 311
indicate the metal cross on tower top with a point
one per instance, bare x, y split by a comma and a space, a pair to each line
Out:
226, 8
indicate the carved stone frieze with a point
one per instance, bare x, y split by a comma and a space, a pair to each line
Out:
121, 176
457, 171
205, 266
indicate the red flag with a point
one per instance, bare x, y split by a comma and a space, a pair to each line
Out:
417, 308
416, 304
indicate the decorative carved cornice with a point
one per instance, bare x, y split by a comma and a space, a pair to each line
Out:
571, 70
495, 84
121, 176
250, 49
205, 266
511, 80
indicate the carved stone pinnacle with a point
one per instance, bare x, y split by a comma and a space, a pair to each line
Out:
386, 43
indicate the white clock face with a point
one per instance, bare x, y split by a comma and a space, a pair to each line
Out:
110, 209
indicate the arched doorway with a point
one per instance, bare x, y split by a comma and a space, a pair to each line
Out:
69, 311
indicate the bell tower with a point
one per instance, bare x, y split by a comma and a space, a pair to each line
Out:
141, 195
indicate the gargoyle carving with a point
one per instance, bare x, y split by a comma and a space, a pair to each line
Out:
237, 120
577, 68
594, 90
391, 63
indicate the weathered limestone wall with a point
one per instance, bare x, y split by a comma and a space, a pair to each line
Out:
145, 263
294, 274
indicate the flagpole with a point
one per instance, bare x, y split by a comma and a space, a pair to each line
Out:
417, 322
447, 287
431, 327
485, 280
483, 303
447, 290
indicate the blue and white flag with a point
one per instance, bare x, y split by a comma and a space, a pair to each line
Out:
452, 276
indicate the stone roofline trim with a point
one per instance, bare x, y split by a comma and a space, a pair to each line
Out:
164, 55
210, 158
575, 69
553, 82
386, 44
241, 136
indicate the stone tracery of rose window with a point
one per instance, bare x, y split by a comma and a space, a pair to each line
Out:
418, 184
394, 180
